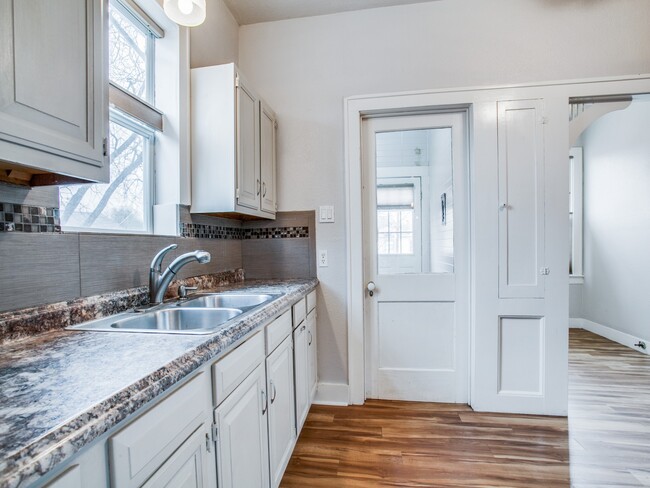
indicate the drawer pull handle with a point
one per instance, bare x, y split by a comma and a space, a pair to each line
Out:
310, 337
258, 186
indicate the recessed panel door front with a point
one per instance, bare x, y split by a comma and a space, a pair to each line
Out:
416, 257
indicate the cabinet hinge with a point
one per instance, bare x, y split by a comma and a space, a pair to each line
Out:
104, 147
215, 432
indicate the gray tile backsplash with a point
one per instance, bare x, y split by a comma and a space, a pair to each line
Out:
36, 269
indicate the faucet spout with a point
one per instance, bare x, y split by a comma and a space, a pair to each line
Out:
158, 283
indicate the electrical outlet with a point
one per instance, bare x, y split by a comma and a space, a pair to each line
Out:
322, 259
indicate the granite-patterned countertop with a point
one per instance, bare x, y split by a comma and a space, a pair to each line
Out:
60, 390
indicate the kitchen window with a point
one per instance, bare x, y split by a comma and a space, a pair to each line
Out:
125, 204
395, 215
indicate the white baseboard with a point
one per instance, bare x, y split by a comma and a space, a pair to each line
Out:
575, 323
332, 394
611, 334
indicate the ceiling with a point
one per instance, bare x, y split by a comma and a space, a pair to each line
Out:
255, 11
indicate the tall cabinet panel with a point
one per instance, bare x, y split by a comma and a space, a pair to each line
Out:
53, 98
521, 199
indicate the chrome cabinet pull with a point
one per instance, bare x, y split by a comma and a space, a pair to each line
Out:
274, 393
258, 186
310, 336
263, 189
264, 402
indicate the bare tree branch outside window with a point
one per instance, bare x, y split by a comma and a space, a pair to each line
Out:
120, 204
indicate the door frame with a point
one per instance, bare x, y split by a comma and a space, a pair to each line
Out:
473, 100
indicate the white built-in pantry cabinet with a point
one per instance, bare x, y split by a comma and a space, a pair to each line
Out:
53, 95
233, 145
231, 425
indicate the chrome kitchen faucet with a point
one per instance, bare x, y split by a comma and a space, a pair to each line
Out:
159, 281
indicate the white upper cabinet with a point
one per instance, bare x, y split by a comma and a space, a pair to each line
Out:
233, 146
53, 99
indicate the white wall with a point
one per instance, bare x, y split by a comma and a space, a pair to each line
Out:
216, 41
617, 220
305, 67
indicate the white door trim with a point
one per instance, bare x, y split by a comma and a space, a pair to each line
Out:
474, 99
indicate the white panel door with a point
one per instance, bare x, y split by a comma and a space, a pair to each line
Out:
242, 439
417, 318
248, 147
282, 423
521, 199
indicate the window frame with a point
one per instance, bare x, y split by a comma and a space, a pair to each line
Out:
137, 115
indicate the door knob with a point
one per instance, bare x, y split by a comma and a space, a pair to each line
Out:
371, 288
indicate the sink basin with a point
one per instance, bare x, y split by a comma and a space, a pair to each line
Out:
165, 321
178, 320
203, 314
227, 300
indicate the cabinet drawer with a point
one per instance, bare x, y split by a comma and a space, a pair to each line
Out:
143, 446
277, 330
299, 312
229, 372
311, 301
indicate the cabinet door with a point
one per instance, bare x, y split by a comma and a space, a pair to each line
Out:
52, 94
242, 435
248, 147
267, 154
301, 366
521, 199
282, 423
191, 466
312, 354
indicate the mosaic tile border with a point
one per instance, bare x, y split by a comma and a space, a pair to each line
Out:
207, 231
28, 218
276, 233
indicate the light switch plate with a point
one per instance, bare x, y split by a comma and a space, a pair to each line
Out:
326, 214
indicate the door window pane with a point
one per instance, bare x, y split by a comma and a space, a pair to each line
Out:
415, 231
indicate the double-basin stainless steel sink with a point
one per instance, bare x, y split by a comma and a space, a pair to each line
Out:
202, 314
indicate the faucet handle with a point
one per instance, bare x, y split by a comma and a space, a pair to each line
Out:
182, 291
156, 262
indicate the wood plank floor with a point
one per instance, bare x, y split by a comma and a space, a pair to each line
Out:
604, 444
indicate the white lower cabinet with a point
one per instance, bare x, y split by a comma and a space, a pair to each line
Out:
242, 435
234, 424
282, 426
190, 466
139, 452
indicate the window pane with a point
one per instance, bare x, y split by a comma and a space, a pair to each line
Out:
406, 244
118, 205
406, 217
128, 55
382, 221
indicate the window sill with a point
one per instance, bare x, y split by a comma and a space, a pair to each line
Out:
576, 280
